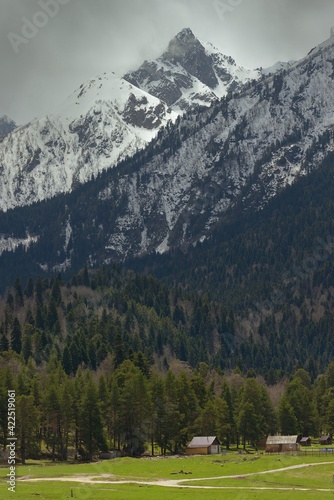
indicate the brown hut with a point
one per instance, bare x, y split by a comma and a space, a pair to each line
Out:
305, 441
203, 445
279, 444
324, 440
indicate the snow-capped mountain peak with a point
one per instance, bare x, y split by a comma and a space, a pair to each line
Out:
190, 73
103, 122
110, 118
237, 154
119, 99
188, 52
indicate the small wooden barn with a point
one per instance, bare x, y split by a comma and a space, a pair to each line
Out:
279, 444
305, 441
324, 440
204, 445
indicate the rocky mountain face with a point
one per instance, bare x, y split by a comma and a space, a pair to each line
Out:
100, 124
6, 126
190, 73
239, 153
236, 155
110, 118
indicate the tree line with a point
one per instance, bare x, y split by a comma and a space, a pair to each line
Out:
132, 410
116, 360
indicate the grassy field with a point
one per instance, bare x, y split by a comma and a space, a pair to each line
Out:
313, 478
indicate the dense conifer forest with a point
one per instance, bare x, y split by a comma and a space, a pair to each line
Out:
116, 360
273, 269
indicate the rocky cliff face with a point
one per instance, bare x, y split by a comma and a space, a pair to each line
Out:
190, 73
110, 118
103, 122
247, 149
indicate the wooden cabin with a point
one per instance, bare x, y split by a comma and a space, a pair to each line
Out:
204, 445
281, 444
326, 439
305, 441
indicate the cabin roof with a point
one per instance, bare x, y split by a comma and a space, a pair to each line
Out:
202, 441
282, 439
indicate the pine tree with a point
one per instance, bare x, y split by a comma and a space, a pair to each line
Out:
39, 289
199, 388
119, 350
287, 418
329, 417
158, 417
66, 417
30, 318
223, 421
10, 301
16, 336
104, 399
19, 301
52, 314
115, 414
26, 345
187, 408
51, 411
227, 397
56, 292
249, 423
67, 361
300, 399
29, 291
91, 423
4, 344
134, 401
86, 281
39, 318
27, 419
206, 423
252, 392
171, 431
330, 375
142, 362
75, 356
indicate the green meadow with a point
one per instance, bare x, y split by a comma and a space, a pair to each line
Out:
280, 484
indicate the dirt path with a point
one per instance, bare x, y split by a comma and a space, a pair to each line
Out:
178, 483
291, 467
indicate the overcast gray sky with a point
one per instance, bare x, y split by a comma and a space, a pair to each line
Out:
49, 47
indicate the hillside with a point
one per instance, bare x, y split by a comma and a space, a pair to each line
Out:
273, 268
237, 155
118, 314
